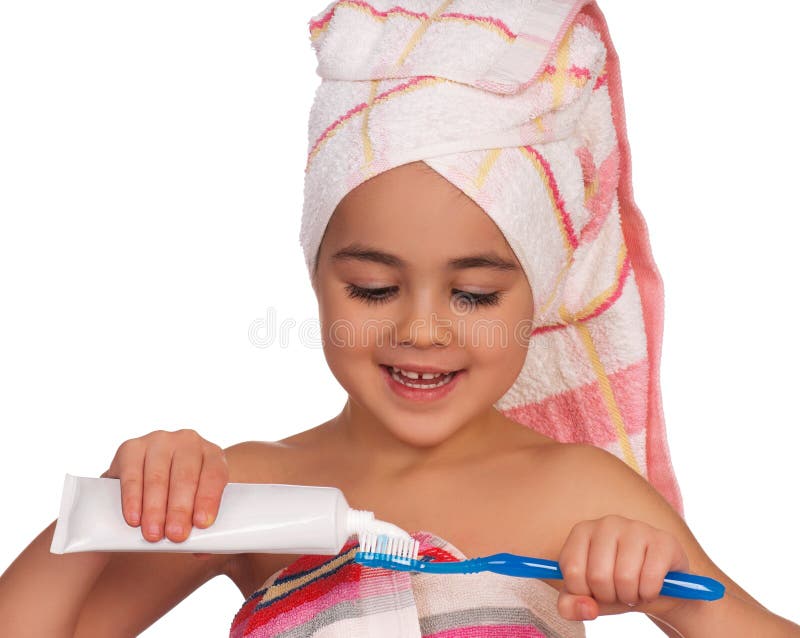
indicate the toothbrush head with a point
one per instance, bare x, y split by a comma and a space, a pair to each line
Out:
400, 554
383, 550
373, 543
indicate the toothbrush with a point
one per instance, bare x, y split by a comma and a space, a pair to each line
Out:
400, 554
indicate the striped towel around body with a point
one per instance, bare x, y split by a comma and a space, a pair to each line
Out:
335, 597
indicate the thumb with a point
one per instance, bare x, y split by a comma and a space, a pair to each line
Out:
582, 607
577, 607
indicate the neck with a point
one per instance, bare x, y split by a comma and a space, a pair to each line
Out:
381, 453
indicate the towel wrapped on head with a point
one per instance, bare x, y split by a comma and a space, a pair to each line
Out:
518, 103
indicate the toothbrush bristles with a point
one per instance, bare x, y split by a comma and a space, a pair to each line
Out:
389, 545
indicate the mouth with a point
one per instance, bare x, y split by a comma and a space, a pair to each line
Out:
420, 387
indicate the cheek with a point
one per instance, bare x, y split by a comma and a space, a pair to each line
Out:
350, 328
349, 341
498, 340
502, 330
498, 343
350, 353
342, 355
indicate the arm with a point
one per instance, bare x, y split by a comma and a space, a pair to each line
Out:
136, 589
86, 594
602, 485
22, 595
102, 593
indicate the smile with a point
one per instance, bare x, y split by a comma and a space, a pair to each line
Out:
416, 380
421, 389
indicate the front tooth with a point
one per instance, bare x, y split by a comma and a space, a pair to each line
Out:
416, 375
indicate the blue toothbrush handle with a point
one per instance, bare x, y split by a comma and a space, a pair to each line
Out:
683, 585
676, 584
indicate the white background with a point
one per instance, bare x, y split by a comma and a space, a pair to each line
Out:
151, 167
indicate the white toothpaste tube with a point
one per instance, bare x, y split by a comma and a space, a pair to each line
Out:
253, 517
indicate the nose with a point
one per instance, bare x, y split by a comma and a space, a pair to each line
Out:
424, 324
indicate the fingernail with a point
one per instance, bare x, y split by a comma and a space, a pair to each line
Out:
210, 518
153, 530
133, 517
175, 529
585, 611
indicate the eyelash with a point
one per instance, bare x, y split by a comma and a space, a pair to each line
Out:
375, 296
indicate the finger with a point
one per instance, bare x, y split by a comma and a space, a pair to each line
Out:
572, 607
130, 463
587, 608
572, 562
157, 463
600, 564
183, 478
659, 559
573, 557
631, 551
213, 479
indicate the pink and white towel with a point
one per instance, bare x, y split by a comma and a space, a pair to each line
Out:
335, 597
518, 103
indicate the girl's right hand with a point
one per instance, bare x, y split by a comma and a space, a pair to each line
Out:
168, 481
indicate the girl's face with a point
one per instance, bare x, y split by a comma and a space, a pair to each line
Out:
395, 288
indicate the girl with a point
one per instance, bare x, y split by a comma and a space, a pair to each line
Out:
408, 271
445, 464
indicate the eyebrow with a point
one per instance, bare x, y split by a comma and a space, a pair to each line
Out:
365, 253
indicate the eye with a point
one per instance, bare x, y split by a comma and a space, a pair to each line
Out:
371, 295
382, 295
489, 299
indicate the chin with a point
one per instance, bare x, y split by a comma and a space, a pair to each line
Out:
425, 432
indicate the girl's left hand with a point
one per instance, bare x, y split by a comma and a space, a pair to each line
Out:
615, 565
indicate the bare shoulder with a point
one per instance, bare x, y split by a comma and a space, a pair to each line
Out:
602, 484
592, 483
256, 461
283, 461
596, 483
